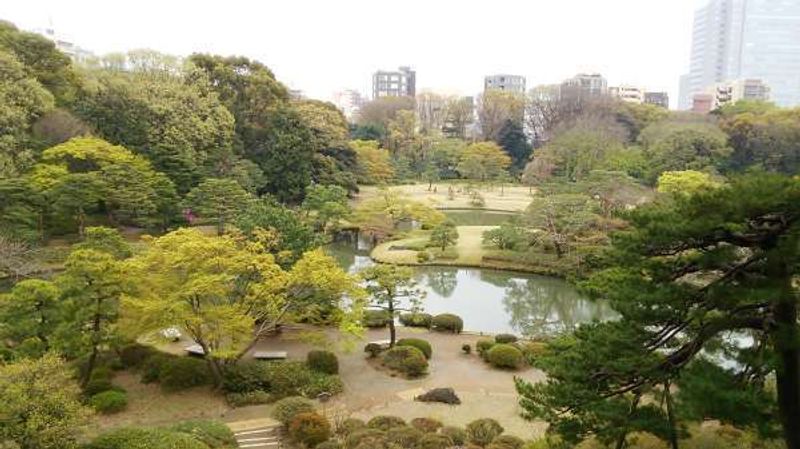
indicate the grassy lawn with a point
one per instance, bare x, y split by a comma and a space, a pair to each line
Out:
469, 248
510, 198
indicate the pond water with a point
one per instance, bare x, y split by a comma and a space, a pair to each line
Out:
492, 301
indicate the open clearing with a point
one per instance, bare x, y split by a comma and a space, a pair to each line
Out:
509, 198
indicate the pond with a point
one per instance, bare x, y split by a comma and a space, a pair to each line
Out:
492, 301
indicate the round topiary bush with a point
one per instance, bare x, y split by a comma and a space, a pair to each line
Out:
483, 431
255, 397
376, 318
383, 422
108, 402
418, 343
457, 434
435, 441
350, 425
427, 425
403, 436
416, 319
366, 437
406, 359
184, 372
152, 366
505, 338
287, 408
504, 356
134, 355
532, 350
466, 348
246, 376
323, 362
214, 434
483, 346
309, 429
373, 349
97, 386
447, 322
506, 442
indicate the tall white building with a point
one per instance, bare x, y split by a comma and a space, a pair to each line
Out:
738, 39
399, 83
349, 101
511, 83
76, 53
630, 94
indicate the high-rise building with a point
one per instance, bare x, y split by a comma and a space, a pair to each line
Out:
75, 52
400, 83
511, 83
730, 92
739, 39
657, 98
630, 94
584, 85
349, 101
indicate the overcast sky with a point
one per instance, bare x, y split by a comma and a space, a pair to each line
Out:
321, 46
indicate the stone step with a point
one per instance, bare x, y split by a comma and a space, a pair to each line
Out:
253, 440
254, 431
260, 445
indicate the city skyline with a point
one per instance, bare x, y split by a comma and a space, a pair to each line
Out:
342, 36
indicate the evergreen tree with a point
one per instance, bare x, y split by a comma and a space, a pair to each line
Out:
514, 141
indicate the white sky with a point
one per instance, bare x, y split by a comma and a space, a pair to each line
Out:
320, 46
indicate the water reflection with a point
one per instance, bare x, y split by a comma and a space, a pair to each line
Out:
494, 301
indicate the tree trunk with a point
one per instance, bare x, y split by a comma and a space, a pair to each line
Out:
81, 222
392, 331
95, 343
634, 405
786, 337
213, 364
673, 434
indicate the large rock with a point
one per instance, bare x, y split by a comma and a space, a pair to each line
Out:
444, 395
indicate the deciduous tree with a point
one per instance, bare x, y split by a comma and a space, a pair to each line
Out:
483, 161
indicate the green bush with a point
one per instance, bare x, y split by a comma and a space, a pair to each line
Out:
323, 362
483, 346
288, 378
435, 441
247, 376
416, 319
287, 408
143, 438
427, 425
350, 425
184, 372
532, 350
323, 383
280, 379
418, 343
214, 434
403, 436
383, 422
255, 397
504, 356
424, 256
376, 318
373, 349
457, 434
102, 373
406, 359
134, 355
309, 429
483, 431
505, 338
366, 438
108, 402
506, 442
97, 386
447, 322
330, 445
152, 366
466, 348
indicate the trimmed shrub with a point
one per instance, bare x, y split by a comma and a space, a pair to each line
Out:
108, 402
416, 319
139, 438
505, 338
213, 433
255, 397
309, 429
366, 437
406, 359
532, 350
290, 378
322, 383
102, 373
424, 256
244, 377
287, 408
506, 442
184, 372
330, 445
483, 346
134, 355
280, 379
504, 356
323, 362
483, 431
418, 343
427, 425
152, 366
466, 348
373, 349
435, 441
383, 422
447, 322
350, 425
97, 386
404, 436
457, 434
376, 318
443, 395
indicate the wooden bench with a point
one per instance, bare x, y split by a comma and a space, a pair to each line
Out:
270, 355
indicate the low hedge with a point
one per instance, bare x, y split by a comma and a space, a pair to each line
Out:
504, 356
287, 408
350, 425
255, 397
406, 359
309, 429
280, 379
404, 436
418, 343
134, 355
532, 350
416, 319
483, 431
152, 366
184, 372
214, 434
506, 442
323, 362
108, 402
435, 441
457, 434
448, 322
376, 318
483, 346
505, 338
139, 438
366, 438
385, 422
427, 425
